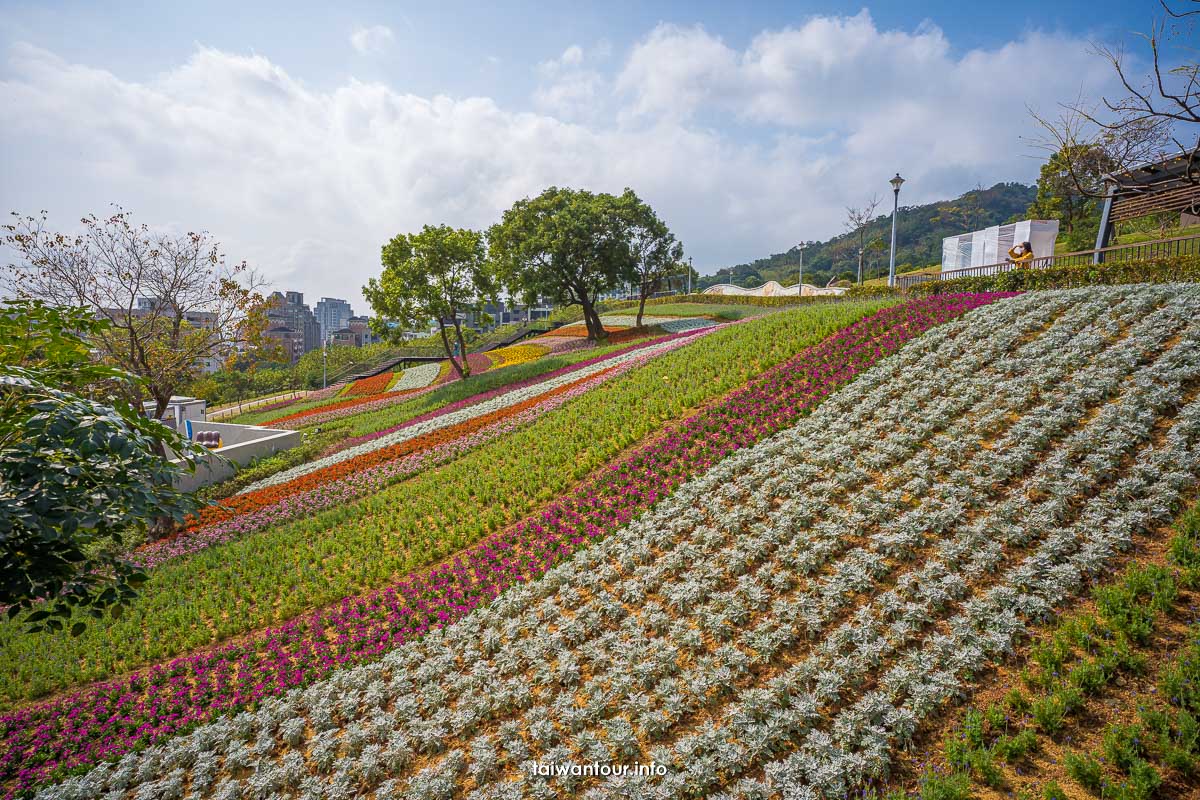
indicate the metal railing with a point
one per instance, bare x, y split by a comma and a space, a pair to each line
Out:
1140, 251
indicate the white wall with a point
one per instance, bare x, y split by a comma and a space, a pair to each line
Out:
241, 445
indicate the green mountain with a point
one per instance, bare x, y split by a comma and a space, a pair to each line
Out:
919, 234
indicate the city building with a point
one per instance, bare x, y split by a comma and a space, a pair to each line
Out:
333, 314
362, 327
292, 324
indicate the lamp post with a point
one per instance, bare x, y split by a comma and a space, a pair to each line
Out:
324, 352
800, 275
896, 183
689, 291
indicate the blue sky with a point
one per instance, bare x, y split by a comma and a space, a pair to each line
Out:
303, 135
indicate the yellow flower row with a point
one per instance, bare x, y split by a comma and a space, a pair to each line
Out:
516, 354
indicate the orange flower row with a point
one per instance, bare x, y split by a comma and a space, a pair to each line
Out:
375, 384
581, 330
251, 501
616, 335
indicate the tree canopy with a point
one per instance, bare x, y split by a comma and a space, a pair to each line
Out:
80, 468
567, 246
171, 299
439, 273
655, 254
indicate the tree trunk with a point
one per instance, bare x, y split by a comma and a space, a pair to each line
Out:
449, 352
462, 349
645, 290
591, 318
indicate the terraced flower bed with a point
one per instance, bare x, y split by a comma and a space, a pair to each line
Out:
417, 377
110, 718
367, 467
516, 354
369, 386
779, 624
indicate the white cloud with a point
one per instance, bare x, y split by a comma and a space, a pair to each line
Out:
571, 90
374, 39
743, 153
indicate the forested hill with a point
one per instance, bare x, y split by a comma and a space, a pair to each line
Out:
919, 239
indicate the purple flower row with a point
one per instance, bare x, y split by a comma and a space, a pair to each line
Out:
108, 719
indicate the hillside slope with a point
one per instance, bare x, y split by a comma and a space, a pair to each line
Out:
779, 625
920, 231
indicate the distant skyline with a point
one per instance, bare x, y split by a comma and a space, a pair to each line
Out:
304, 135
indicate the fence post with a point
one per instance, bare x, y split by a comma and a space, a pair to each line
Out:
1102, 235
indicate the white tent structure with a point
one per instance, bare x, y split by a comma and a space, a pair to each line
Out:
774, 289
990, 246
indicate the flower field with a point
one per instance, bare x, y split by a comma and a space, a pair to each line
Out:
765, 601
369, 466
278, 578
166, 698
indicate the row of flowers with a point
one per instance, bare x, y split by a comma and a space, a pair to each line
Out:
340, 408
372, 385
275, 506
417, 377
562, 344
630, 320
110, 718
483, 403
750, 596
678, 325
516, 354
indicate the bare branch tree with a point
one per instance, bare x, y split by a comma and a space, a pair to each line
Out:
172, 299
857, 220
1159, 112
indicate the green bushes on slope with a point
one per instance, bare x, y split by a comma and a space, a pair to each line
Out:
1169, 269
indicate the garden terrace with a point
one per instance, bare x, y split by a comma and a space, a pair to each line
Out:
638, 480
292, 568
784, 621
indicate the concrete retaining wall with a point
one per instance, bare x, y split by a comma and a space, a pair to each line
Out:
241, 444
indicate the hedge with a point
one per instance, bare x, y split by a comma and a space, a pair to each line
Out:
1167, 269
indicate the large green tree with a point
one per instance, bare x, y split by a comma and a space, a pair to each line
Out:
565, 245
80, 469
439, 273
655, 255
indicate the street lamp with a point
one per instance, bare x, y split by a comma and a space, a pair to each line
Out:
324, 351
896, 183
689, 291
800, 276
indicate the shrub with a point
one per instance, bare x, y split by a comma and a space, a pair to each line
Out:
1167, 269
946, 787
1052, 791
1084, 770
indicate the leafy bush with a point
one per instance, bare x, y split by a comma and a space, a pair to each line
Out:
1084, 770
1168, 269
